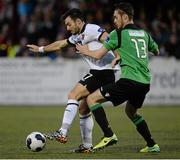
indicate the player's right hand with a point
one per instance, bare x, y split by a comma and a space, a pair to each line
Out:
115, 62
33, 47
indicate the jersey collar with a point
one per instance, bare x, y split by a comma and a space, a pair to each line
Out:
84, 26
131, 26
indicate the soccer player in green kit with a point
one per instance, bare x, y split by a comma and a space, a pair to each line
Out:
133, 45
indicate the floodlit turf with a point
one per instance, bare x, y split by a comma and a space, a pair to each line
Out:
17, 122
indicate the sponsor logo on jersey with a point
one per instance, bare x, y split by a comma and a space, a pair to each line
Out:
82, 36
78, 39
136, 33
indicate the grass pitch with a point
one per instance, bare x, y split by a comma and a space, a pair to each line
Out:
17, 122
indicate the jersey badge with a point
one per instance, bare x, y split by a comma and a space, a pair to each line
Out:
101, 30
82, 36
107, 39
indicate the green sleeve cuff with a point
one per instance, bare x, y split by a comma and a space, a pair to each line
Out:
107, 46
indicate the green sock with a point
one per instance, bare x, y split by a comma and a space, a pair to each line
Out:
101, 119
143, 129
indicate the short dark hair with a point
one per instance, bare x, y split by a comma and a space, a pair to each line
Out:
125, 7
74, 13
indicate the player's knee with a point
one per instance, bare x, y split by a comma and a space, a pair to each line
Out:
91, 100
130, 110
78, 93
73, 95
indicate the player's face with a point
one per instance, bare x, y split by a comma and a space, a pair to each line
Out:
118, 21
71, 25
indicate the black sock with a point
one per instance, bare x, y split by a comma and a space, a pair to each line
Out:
143, 129
101, 119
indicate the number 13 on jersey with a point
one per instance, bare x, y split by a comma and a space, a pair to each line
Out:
141, 48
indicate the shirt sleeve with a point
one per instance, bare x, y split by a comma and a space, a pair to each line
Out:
111, 42
152, 45
71, 40
95, 32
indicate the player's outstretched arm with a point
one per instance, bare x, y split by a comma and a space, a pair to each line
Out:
97, 54
55, 46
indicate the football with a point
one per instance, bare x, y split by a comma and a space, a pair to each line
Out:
36, 141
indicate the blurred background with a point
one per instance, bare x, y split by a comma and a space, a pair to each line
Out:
38, 22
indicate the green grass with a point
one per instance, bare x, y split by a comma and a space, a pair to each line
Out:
17, 122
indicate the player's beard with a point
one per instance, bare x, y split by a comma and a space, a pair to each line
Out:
75, 31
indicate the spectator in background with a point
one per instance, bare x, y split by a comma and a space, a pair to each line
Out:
173, 47
24, 8
34, 18
23, 51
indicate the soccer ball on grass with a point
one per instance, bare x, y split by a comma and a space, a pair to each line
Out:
35, 141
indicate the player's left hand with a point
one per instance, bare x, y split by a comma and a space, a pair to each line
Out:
83, 49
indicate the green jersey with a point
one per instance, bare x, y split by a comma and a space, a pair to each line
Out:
133, 45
